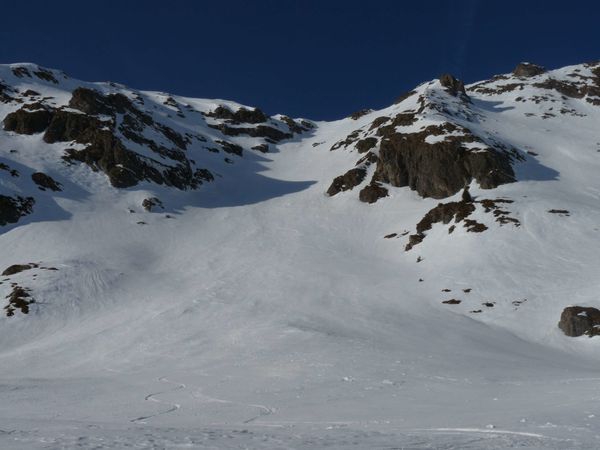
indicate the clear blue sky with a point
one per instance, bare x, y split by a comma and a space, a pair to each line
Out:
315, 59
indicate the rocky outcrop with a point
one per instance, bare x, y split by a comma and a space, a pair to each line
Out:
349, 180
454, 86
242, 115
372, 192
579, 320
17, 268
46, 182
27, 121
18, 299
13, 208
439, 169
151, 203
526, 70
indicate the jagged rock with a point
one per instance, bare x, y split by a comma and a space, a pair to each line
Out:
372, 192
454, 86
45, 181
149, 203
13, 208
440, 169
580, 320
466, 195
444, 213
260, 131
349, 180
20, 299
263, 148
24, 121
366, 144
242, 115
526, 69
106, 152
358, 114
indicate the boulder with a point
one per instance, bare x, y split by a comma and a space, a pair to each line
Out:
579, 320
526, 69
45, 182
349, 180
454, 86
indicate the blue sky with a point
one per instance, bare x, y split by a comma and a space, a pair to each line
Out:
314, 59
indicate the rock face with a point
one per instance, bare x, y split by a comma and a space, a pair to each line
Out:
526, 69
454, 86
439, 169
13, 208
579, 320
25, 121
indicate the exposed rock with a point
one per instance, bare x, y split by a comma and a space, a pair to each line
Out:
229, 147
46, 182
20, 299
263, 148
242, 115
13, 208
349, 180
260, 131
440, 169
454, 86
526, 69
580, 320
149, 203
358, 114
24, 121
366, 144
17, 268
452, 301
372, 192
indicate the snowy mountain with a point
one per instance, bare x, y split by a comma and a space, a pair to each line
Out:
183, 271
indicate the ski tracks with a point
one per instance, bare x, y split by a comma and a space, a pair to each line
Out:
172, 407
263, 410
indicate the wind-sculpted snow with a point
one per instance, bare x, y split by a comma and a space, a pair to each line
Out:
186, 272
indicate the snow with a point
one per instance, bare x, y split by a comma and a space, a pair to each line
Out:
265, 314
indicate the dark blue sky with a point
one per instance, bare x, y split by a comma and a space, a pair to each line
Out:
316, 59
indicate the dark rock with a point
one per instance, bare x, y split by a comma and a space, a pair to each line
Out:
13, 208
366, 144
149, 203
345, 182
19, 299
466, 196
454, 86
444, 213
24, 121
16, 268
579, 320
260, 131
452, 301
390, 236
46, 182
242, 115
526, 69
440, 169
229, 147
372, 192
263, 148
358, 114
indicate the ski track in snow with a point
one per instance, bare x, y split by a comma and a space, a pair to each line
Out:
152, 397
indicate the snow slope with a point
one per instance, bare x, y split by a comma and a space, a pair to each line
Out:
257, 312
